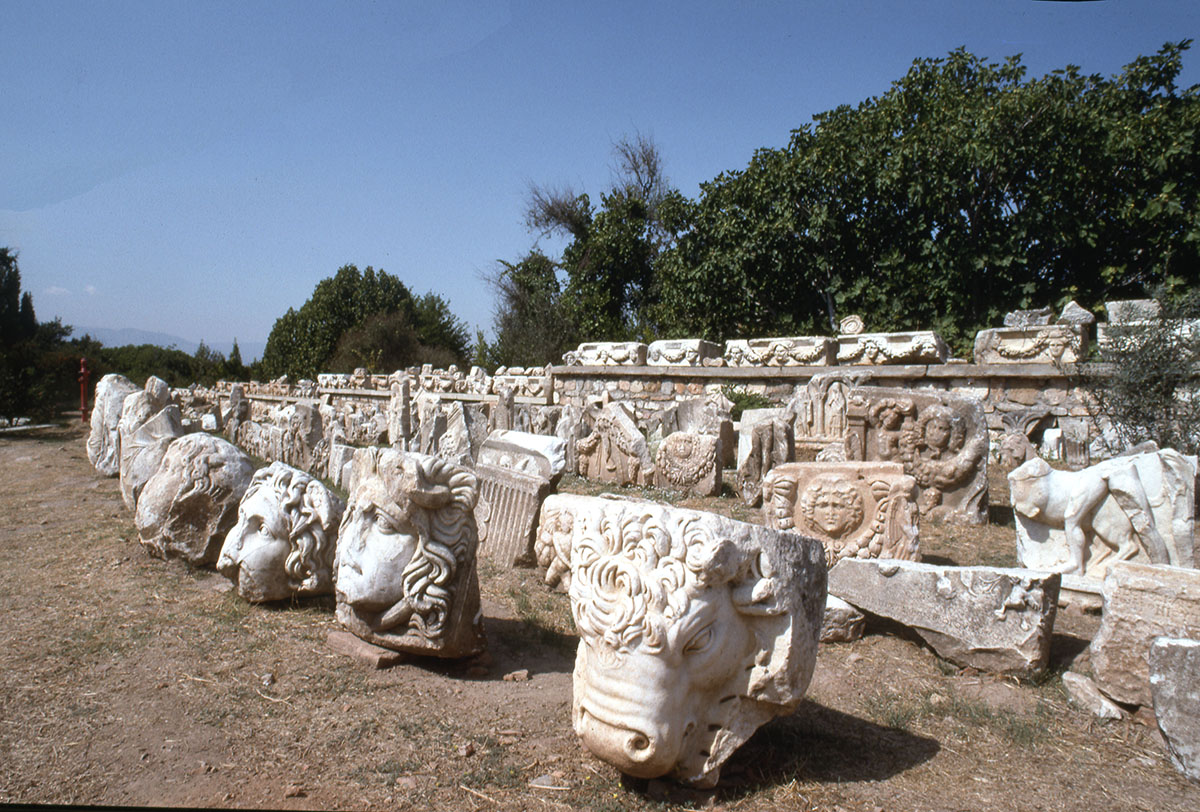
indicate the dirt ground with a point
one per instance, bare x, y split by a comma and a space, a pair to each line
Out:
128, 680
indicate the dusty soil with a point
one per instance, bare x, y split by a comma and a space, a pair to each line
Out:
129, 680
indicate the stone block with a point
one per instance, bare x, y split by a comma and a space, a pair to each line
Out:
348, 645
842, 623
766, 439
990, 618
1084, 693
608, 353
615, 450
689, 462
689, 352
792, 351
1141, 602
1052, 344
694, 629
855, 509
507, 511
540, 454
923, 347
1175, 687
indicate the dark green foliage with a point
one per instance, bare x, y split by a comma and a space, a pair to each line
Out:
1149, 390
962, 192
743, 400
305, 342
532, 326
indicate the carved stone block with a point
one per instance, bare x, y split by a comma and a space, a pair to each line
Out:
689, 462
923, 347
792, 351
535, 454
855, 509
941, 440
694, 631
1137, 507
1052, 344
994, 619
1141, 602
406, 555
615, 450
190, 503
284, 541
608, 353
104, 441
688, 352
507, 512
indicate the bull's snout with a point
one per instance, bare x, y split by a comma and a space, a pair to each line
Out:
634, 752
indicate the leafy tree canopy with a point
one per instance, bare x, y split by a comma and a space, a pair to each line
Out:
962, 192
307, 341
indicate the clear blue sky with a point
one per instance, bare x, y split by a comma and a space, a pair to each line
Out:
196, 168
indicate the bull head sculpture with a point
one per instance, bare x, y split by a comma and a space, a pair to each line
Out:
695, 630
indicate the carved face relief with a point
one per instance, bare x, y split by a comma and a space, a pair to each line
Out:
937, 433
285, 536
377, 544
832, 506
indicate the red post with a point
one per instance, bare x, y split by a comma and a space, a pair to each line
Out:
84, 375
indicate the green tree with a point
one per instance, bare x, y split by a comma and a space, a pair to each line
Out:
305, 342
962, 192
531, 325
611, 287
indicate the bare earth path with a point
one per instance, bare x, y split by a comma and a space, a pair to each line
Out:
128, 680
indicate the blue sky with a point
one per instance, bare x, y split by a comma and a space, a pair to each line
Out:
196, 168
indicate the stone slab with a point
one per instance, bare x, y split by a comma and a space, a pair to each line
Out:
842, 622
375, 656
1052, 344
1141, 602
1084, 693
789, 351
921, 347
1175, 687
688, 352
994, 619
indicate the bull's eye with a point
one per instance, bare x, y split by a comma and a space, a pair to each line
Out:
699, 641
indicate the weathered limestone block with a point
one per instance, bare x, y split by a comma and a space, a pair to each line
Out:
340, 456
941, 440
689, 462
1023, 319
1175, 686
608, 353
527, 453
455, 443
104, 442
791, 351
1133, 311
406, 555
1141, 602
1052, 344
990, 618
190, 504
144, 441
689, 352
842, 622
695, 630
1075, 314
507, 511
399, 412
571, 428
1137, 507
924, 347
766, 440
285, 537
855, 509
615, 451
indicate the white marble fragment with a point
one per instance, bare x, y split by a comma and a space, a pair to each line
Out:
688, 352
406, 555
1084, 693
1051, 344
191, 501
608, 353
285, 538
922, 347
528, 453
990, 618
784, 351
104, 441
694, 631
842, 622
1174, 668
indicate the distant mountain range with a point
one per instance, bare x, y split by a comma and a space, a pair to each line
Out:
251, 350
